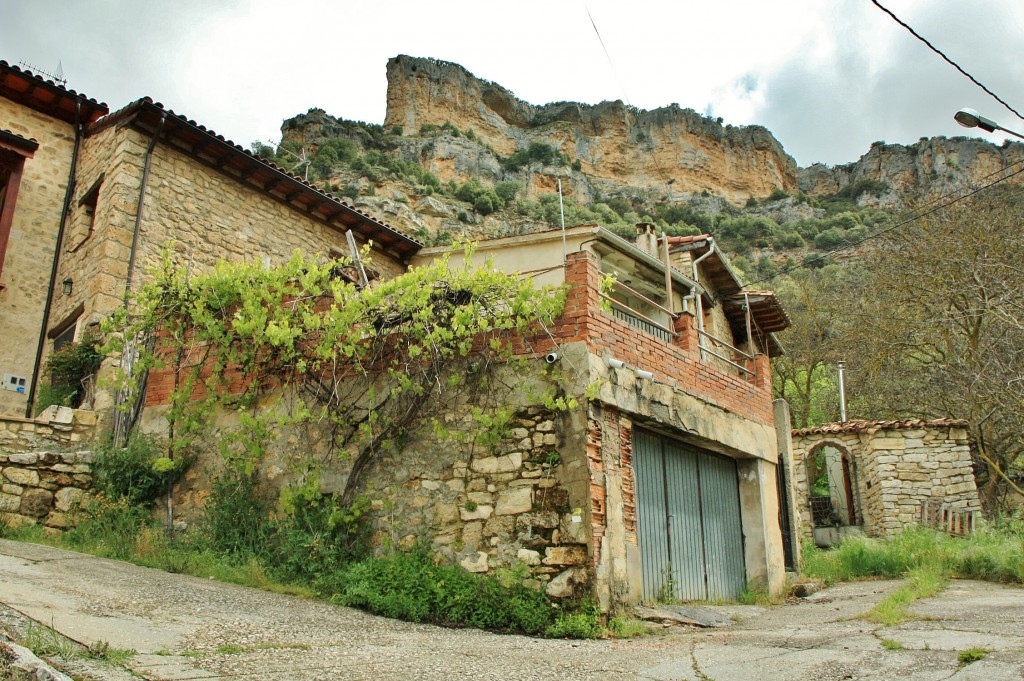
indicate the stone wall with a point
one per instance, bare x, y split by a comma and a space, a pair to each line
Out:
207, 215
26, 269
898, 465
45, 466
518, 504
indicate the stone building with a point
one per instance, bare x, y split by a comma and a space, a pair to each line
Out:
876, 476
90, 201
662, 482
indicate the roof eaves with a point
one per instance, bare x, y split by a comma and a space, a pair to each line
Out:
389, 238
24, 145
862, 425
89, 107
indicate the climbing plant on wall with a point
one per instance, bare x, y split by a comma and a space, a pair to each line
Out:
360, 365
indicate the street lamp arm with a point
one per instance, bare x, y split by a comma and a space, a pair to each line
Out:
969, 118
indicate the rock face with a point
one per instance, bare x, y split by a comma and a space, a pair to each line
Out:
931, 166
616, 145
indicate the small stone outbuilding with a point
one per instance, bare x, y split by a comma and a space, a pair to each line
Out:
876, 476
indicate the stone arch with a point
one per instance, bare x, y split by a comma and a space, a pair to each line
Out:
831, 474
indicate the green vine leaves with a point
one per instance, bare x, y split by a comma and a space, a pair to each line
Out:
366, 363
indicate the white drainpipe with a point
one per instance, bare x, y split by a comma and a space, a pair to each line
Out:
698, 301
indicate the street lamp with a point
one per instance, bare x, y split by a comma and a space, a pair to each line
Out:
969, 118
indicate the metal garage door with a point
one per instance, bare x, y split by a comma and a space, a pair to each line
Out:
688, 514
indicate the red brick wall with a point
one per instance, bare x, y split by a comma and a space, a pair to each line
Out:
677, 362
610, 452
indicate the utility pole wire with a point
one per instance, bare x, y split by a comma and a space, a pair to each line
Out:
948, 60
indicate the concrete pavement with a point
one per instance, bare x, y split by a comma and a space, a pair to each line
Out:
192, 628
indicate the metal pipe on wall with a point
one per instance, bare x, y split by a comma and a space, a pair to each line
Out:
69, 192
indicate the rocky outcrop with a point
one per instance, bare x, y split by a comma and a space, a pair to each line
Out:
928, 167
670, 149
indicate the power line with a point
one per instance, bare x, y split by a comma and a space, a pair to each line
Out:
948, 60
917, 215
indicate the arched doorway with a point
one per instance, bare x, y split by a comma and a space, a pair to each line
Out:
831, 475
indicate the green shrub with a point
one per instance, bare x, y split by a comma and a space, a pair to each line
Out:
507, 190
317, 536
411, 586
778, 194
139, 472
235, 496
66, 369
109, 527
577, 621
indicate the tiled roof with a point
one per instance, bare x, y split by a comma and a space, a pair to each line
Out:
199, 142
22, 144
46, 96
766, 309
858, 426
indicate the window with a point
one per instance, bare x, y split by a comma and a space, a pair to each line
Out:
84, 220
63, 334
14, 149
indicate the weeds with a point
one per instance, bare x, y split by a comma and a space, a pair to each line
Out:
994, 554
890, 644
104, 652
922, 582
410, 586
46, 642
971, 655
625, 627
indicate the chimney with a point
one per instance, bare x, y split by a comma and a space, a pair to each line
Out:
646, 239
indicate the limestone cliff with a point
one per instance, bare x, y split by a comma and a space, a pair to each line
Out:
669, 150
928, 167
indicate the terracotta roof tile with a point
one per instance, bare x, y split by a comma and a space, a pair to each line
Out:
857, 426
54, 99
147, 111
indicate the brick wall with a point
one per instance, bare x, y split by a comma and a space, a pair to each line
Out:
675, 362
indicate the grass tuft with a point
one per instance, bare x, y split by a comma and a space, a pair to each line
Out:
993, 554
972, 655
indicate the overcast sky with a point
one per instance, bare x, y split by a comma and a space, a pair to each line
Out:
827, 77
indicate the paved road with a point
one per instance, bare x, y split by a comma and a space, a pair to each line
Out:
191, 628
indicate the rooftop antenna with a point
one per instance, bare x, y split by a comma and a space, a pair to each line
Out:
303, 160
57, 78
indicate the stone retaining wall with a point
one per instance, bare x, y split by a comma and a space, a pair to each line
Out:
45, 466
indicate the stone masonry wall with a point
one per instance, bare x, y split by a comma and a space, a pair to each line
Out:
520, 504
896, 469
209, 216
45, 466
26, 269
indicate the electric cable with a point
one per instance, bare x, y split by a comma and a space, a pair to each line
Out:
948, 60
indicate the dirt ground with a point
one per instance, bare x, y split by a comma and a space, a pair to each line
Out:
191, 628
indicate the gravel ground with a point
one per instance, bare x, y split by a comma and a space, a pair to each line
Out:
191, 628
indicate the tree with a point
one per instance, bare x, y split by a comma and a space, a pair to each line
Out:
944, 331
804, 376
